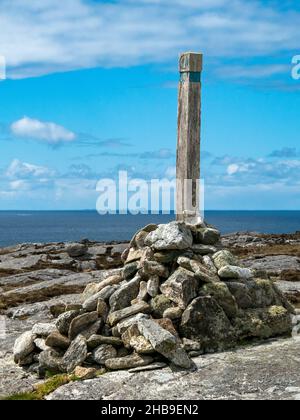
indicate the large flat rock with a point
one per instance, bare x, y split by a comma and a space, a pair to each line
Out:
273, 264
252, 373
68, 284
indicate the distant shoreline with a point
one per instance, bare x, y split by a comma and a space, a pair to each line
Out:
68, 226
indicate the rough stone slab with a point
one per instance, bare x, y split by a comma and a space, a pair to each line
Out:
81, 322
207, 236
164, 342
96, 340
117, 316
93, 288
203, 249
201, 271
205, 321
172, 236
233, 272
125, 294
126, 323
154, 366
128, 362
104, 294
223, 258
43, 329
38, 292
57, 340
181, 287
75, 355
103, 353
274, 265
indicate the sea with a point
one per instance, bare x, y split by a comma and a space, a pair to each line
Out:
64, 226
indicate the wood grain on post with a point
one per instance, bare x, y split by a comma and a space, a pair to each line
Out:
188, 142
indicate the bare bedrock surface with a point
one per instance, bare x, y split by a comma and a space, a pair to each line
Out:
266, 372
35, 277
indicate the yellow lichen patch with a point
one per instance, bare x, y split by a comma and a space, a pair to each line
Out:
277, 311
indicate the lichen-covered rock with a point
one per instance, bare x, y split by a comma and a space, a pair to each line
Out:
130, 270
173, 313
208, 262
172, 236
205, 321
201, 271
263, 323
168, 325
256, 293
166, 257
154, 268
234, 272
191, 345
181, 287
102, 309
122, 326
223, 258
125, 294
159, 304
164, 343
139, 238
24, 345
241, 293
263, 293
141, 345
63, 322
75, 355
129, 333
49, 360
103, 353
57, 309
221, 294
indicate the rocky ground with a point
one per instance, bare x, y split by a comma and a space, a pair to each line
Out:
35, 277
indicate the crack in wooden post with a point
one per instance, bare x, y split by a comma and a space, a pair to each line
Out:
188, 142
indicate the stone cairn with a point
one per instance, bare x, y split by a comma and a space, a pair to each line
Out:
179, 295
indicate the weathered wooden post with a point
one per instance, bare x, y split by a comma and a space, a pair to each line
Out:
188, 143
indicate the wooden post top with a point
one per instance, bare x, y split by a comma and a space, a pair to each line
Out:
190, 62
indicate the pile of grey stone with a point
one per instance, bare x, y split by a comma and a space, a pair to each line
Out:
179, 295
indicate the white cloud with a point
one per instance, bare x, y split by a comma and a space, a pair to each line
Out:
22, 170
50, 36
48, 132
248, 171
232, 169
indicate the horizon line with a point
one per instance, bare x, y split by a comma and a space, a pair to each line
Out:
143, 214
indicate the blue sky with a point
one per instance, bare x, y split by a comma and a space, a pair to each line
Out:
92, 88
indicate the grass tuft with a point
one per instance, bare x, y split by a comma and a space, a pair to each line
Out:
42, 390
